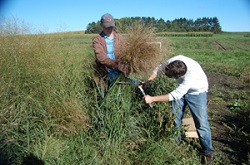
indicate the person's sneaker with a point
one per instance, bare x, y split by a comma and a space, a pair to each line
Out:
207, 159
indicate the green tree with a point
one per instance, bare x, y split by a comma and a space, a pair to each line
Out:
216, 28
160, 25
93, 28
177, 25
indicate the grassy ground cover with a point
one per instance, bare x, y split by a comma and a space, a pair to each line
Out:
51, 112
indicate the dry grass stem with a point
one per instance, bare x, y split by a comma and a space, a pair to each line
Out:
143, 51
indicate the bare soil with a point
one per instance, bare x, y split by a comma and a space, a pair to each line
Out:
229, 121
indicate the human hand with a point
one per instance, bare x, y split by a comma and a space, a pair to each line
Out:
148, 99
124, 68
115, 63
145, 84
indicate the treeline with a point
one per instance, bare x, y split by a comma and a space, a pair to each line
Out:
204, 24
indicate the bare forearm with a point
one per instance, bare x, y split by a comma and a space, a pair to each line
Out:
161, 98
152, 77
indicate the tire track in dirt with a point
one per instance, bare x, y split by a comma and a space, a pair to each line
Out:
219, 45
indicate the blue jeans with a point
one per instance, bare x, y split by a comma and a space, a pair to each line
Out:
112, 76
198, 107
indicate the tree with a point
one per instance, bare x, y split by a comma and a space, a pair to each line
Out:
160, 25
168, 25
204, 24
216, 28
93, 28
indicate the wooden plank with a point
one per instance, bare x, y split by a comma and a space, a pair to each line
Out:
190, 129
192, 134
189, 124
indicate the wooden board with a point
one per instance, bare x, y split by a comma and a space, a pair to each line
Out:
188, 124
192, 134
190, 129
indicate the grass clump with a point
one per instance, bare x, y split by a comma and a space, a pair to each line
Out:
41, 96
144, 50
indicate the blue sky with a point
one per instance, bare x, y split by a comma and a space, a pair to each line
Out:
75, 15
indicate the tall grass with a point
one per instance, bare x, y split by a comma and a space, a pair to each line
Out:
42, 95
50, 111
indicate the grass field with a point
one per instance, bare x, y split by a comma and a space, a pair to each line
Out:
51, 111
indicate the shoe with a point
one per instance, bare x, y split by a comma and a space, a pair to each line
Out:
207, 159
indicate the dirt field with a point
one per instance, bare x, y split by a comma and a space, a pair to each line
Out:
227, 118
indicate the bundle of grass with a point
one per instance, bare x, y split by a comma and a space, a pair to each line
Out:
143, 51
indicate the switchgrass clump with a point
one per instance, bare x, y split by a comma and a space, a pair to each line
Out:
143, 51
41, 94
39, 84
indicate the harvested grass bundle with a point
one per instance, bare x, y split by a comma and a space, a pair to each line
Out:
143, 49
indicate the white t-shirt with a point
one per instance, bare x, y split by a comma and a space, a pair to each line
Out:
193, 82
